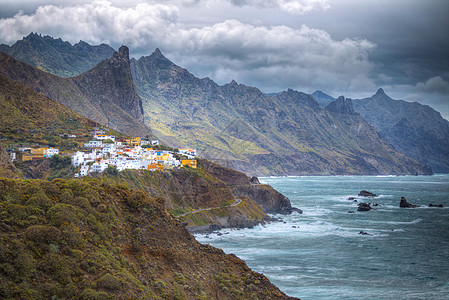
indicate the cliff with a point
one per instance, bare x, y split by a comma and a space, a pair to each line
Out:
91, 239
270, 200
414, 129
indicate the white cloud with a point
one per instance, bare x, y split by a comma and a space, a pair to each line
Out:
94, 22
296, 7
269, 57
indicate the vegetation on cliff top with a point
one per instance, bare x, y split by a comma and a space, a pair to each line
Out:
96, 239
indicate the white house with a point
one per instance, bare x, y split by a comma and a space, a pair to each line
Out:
77, 158
52, 151
155, 142
98, 167
104, 137
95, 144
84, 170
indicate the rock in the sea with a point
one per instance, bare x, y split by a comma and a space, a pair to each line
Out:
364, 207
351, 198
436, 205
351, 212
364, 193
364, 233
405, 204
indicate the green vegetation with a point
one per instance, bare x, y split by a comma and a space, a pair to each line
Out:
98, 239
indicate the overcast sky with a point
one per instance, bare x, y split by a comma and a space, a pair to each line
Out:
342, 47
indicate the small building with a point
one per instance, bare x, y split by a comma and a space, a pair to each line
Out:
133, 141
154, 142
103, 137
94, 144
189, 162
98, 167
84, 170
52, 151
155, 167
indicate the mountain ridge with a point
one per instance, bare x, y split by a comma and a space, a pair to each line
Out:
75, 93
414, 129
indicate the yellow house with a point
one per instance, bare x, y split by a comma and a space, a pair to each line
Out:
133, 141
27, 156
164, 156
155, 167
39, 152
189, 162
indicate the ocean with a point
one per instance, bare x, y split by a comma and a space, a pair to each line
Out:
328, 253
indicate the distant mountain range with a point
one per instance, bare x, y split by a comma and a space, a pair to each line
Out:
288, 133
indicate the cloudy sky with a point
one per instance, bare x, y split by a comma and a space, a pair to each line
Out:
342, 47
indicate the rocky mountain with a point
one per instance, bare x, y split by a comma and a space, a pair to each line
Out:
413, 129
322, 98
238, 126
105, 94
56, 56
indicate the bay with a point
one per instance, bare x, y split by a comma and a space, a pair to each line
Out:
322, 254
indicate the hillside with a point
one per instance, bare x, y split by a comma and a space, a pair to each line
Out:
29, 117
120, 108
92, 239
239, 127
416, 130
56, 56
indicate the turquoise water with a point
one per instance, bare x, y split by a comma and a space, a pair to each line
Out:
404, 256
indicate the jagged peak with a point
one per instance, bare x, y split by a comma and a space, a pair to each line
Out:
342, 105
233, 82
124, 50
380, 92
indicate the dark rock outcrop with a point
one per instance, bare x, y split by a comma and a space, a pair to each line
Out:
364, 207
405, 204
254, 180
364, 193
436, 205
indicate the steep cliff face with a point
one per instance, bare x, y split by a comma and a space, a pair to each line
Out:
96, 240
413, 129
119, 108
110, 84
270, 200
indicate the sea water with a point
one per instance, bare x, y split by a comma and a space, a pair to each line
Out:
322, 254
